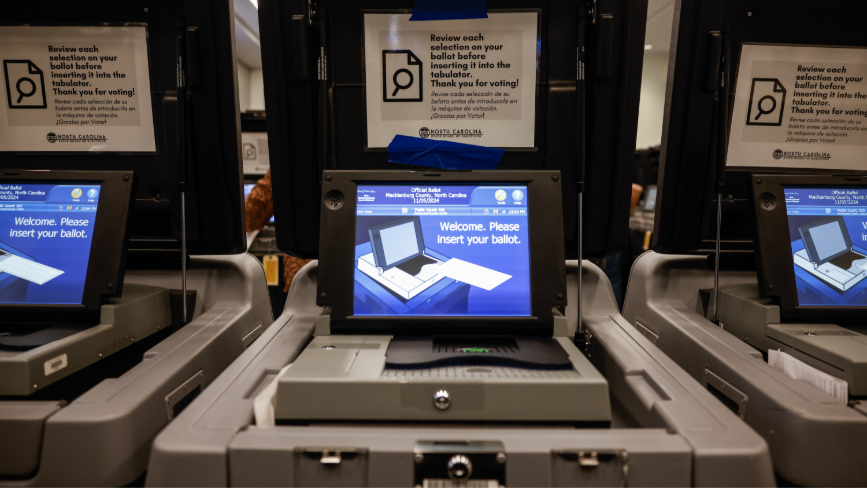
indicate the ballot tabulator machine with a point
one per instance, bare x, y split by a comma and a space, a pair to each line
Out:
120, 135
787, 349
370, 376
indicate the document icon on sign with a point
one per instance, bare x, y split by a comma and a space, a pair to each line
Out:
401, 76
767, 99
25, 84
249, 151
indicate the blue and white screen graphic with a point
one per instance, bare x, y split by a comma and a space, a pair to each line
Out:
442, 250
45, 236
828, 232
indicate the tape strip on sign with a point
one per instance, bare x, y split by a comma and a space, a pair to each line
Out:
442, 154
449, 10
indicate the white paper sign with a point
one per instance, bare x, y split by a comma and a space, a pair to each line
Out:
800, 107
82, 88
255, 152
470, 81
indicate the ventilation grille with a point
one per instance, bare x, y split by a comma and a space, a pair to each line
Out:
478, 372
471, 349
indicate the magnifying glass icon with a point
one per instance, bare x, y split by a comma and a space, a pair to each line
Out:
762, 111
397, 85
21, 93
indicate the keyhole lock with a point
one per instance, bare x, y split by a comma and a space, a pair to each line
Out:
441, 400
460, 468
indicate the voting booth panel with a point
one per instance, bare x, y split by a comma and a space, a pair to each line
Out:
111, 102
686, 206
335, 122
787, 352
102, 167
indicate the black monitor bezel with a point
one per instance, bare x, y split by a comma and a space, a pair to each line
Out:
776, 273
547, 256
108, 246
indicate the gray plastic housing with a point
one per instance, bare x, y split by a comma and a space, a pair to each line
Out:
140, 312
827, 347
333, 368
814, 439
666, 429
103, 437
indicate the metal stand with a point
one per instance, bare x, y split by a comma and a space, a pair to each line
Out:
182, 159
716, 258
722, 148
184, 253
585, 14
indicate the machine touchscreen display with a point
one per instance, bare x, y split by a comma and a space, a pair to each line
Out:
445, 250
828, 232
45, 238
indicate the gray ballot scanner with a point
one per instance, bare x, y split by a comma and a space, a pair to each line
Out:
436, 316
787, 349
106, 180
369, 378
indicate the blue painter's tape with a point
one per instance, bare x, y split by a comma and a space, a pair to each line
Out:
449, 10
442, 154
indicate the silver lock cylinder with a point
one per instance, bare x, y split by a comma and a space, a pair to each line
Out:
455, 463
441, 400
459, 467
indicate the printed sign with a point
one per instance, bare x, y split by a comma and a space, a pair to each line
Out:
800, 107
254, 150
75, 88
470, 81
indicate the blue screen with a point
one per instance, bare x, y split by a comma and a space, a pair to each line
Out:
828, 234
45, 236
475, 257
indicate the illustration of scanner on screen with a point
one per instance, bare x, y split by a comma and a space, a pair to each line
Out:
828, 254
18, 270
400, 262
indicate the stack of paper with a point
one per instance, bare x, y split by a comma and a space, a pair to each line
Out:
799, 370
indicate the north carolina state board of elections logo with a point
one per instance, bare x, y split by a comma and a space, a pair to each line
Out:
424, 132
52, 137
778, 154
